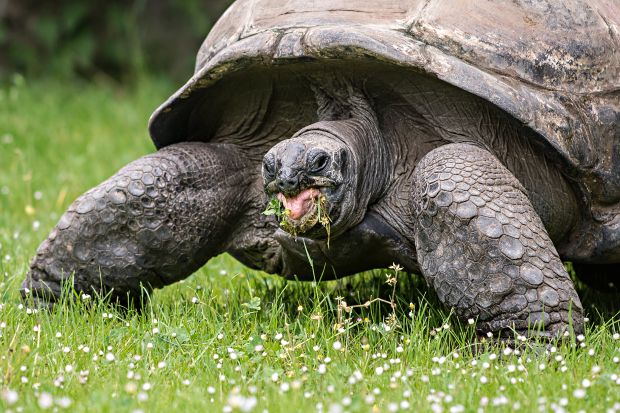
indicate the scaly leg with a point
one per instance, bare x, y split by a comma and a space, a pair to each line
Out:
484, 249
156, 221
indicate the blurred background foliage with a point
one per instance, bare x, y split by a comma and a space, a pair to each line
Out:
117, 40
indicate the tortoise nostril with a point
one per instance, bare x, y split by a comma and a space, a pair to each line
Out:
287, 184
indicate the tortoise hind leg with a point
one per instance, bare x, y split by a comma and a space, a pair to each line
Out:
484, 249
156, 221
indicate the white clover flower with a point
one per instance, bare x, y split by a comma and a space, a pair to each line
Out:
9, 396
45, 401
64, 402
579, 393
244, 404
337, 345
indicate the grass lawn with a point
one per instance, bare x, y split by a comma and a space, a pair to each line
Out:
231, 339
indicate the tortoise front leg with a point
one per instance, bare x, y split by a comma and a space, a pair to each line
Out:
156, 221
484, 249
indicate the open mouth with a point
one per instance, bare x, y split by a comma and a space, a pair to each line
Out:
303, 210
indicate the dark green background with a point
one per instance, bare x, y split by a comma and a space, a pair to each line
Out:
117, 40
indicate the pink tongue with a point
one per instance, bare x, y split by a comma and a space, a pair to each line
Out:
299, 204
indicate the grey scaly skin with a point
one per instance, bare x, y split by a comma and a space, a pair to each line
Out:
155, 222
454, 213
484, 249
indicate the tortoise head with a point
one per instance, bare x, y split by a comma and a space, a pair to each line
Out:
310, 174
326, 175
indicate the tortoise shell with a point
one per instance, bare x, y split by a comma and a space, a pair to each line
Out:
554, 67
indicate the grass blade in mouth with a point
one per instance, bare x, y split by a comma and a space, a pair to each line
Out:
317, 215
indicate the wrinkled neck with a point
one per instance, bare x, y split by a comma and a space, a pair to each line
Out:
368, 153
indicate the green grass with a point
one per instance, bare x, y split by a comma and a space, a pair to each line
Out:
229, 337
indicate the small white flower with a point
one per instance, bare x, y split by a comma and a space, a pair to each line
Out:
109, 357
337, 345
275, 377
9, 396
45, 400
63, 402
579, 393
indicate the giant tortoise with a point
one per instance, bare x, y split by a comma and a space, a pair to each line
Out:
474, 142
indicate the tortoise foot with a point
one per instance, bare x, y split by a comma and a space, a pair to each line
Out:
484, 249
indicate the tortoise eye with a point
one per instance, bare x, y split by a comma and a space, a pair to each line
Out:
319, 162
269, 166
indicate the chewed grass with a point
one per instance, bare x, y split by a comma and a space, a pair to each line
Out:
229, 339
319, 215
